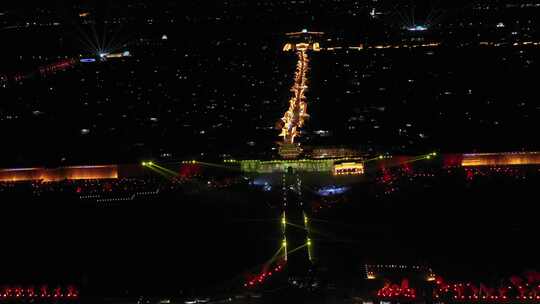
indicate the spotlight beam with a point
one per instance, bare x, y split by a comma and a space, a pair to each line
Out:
297, 248
165, 169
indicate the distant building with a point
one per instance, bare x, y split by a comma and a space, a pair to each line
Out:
349, 168
290, 151
334, 152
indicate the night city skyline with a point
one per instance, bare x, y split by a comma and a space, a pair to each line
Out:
258, 151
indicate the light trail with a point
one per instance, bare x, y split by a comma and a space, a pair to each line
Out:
308, 240
421, 157
295, 116
310, 230
298, 248
380, 157
215, 165
168, 171
273, 258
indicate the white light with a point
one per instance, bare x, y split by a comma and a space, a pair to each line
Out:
304, 31
417, 28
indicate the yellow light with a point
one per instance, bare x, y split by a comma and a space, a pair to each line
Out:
150, 163
308, 242
381, 157
293, 118
428, 157
349, 168
144, 164
284, 243
283, 221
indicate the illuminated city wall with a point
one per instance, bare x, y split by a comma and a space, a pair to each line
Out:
306, 165
501, 159
447, 160
260, 166
70, 173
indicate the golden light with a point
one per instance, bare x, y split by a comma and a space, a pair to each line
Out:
295, 116
351, 168
501, 159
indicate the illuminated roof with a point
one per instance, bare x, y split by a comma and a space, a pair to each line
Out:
349, 168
